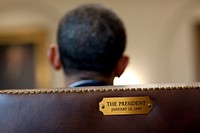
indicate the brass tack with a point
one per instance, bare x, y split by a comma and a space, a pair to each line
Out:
162, 88
26, 92
38, 91
15, 92
9, 92
149, 105
102, 90
131, 89
145, 89
66, 91
60, 91
134, 89
89, 90
31, 92
84, 90
192, 87
72, 90
44, 91
49, 91
55, 91
95, 90
78, 90
106, 90
167, 88
120, 89
125, 89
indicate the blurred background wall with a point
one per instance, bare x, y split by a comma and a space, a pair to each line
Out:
162, 36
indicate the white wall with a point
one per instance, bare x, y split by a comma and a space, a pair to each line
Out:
160, 42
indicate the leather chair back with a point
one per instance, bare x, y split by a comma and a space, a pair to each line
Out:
172, 109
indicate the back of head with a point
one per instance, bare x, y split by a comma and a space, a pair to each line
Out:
90, 38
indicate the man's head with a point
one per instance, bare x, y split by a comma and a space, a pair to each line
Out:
91, 38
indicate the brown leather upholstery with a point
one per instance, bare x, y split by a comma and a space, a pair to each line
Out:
176, 110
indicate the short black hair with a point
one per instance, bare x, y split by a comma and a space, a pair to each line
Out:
90, 38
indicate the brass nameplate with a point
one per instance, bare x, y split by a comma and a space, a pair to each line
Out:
126, 105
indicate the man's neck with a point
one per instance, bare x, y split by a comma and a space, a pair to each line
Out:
75, 78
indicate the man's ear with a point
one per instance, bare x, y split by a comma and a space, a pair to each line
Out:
54, 58
121, 66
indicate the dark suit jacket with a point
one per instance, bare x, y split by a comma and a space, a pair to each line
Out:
89, 83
